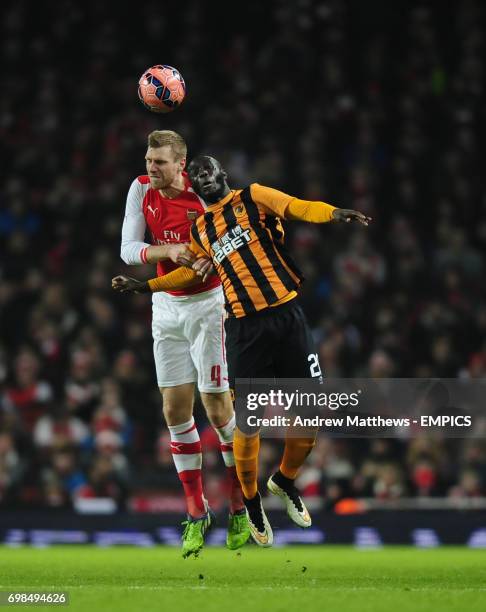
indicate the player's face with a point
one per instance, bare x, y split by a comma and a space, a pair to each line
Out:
207, 177
162, 167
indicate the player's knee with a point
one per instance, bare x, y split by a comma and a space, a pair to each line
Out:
218, 407
175, 414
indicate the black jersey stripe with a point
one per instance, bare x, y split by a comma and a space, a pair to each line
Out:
271, 224
241, 292
269, 246
250, 260
196, 236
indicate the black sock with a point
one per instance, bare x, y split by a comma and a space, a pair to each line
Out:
254, 508
288, 485
282, 481
254, 501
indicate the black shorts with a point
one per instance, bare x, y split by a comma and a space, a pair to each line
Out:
273, 343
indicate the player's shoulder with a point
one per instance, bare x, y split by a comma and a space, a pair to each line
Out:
243, 193
258, 193
255, 189
250, 188
138, 192
263, 193
140, 183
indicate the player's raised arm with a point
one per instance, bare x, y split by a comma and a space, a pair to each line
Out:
282, 205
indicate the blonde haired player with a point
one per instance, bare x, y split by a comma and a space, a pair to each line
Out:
241, 235
187, 329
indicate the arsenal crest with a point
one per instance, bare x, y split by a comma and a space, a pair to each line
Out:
191, 214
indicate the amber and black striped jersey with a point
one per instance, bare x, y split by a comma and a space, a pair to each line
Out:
244, 237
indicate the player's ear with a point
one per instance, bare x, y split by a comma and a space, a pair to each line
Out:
183, 163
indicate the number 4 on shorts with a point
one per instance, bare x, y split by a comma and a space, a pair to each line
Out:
216, 375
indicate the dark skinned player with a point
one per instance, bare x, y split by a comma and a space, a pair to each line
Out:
241, 238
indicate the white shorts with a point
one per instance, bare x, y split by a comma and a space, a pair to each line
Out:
189, 338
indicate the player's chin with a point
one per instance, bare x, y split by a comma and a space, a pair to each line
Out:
209, 189
156, 183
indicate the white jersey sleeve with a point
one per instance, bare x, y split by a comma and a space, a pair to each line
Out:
133, 231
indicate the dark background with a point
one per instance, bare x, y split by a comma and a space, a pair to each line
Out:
378, 106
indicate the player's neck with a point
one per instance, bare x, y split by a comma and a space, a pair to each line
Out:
217, 197
174, 189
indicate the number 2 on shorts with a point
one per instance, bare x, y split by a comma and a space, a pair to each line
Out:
315, 368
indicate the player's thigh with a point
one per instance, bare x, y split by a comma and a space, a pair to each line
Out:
249, 356
296, 354
247, 348
205, 333
177, 403
173, 362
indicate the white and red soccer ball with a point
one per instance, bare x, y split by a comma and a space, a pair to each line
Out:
161, 88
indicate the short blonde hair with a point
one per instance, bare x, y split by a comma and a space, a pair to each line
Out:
162, 138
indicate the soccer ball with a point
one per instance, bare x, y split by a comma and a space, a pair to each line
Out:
161, 88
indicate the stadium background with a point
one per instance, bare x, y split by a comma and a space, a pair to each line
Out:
378, 107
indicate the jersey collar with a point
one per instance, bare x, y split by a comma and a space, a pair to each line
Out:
225, 200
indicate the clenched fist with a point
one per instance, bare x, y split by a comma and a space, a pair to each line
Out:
126, 284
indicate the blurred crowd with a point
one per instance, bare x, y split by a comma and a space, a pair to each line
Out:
376, 106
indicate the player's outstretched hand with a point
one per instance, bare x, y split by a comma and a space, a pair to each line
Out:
347, 215
203, 267
126, 284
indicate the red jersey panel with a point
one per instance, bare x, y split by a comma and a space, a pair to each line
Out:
169, 222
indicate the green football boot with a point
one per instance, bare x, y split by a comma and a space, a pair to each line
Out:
193, 535
238, 530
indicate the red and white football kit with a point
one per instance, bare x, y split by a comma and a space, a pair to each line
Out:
187, 325
187, 328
